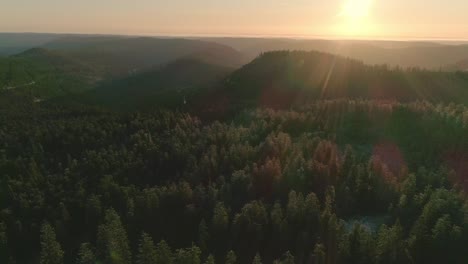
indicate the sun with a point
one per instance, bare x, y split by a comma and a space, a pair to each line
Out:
355, 9
354, 18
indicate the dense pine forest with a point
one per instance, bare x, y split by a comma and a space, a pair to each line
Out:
296, 157
336, 181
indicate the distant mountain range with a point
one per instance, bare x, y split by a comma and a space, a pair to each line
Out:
210, 74
77, 63
404, 54
423, 54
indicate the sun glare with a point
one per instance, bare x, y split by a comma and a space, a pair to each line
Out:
354, 17
355, 9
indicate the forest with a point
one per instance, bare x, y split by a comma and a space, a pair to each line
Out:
335, 181
160, 151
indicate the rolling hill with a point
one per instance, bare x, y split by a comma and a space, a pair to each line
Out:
422, 54
282, 79
75, 64
41, 73
14, 43
170, 85
118, 56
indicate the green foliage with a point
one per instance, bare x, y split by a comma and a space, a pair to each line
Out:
210, 260
231, 257
188, 255
287, 258
391, 246
112, 240
51, 251
257, 259
86, 255
203, 236
163, 253
146, 251
266, 182
320, 254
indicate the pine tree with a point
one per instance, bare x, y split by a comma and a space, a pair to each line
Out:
320, 254
163, 253
203, 236
257, 259
287, 258
51, 251
146, 251
3, 244
231, 257
210, 260
188, 255
113, 245
86, 255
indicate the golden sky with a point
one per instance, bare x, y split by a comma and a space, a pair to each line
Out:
390, 19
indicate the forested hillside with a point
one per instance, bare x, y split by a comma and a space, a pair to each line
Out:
43, 74
170, 86
285, 78
72, 65
421, 54
120, 56
335, 181
152, 151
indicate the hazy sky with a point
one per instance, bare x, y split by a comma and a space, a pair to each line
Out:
340, 18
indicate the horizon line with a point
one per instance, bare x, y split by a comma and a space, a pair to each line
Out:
275, 36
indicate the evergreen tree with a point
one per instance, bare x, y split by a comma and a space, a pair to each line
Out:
320, 256
287, 258
257, 259
163, 253
113, 247
220, 223
210, 260
51, 251
146, 250
203, 236
86, 255
231, 257
188, 255
390, 245
3, 244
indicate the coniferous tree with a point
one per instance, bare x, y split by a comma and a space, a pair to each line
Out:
220, 222
257, 259
287, 258
210, 260
320, 256
51, 251
188, 255
86, 255
231, 257
113, 244
3, 244
146, 250
163, 253
390, 245
203, 236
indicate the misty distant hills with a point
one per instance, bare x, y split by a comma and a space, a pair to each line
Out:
144, 72
405, 54
14, 43
118, 56
461, 65
137, 51
76, 64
